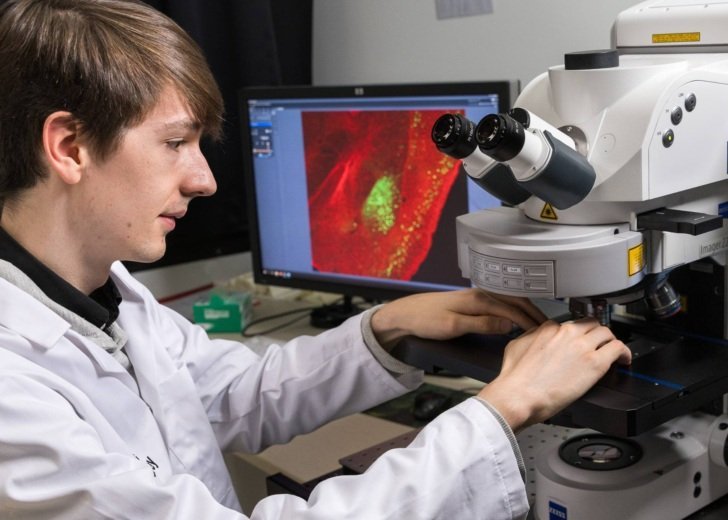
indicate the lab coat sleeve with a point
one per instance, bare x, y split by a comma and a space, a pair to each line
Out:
54, 465
293, 389
253, 402
460, 466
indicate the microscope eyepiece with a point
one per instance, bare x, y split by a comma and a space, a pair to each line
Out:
453, 135
521, 115
500, 136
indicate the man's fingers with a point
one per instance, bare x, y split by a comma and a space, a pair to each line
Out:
616, 351
525, 305
486, 324
598, 334
515, 314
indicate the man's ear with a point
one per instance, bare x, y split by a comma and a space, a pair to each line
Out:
63, 147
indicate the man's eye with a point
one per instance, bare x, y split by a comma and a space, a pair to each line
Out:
175, 144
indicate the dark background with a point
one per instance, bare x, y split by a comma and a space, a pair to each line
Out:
247, 43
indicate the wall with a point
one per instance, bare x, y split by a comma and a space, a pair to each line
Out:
395, 41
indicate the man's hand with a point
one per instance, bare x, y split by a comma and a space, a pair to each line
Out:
450, 314
546, 369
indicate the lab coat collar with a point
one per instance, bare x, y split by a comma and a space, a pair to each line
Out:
100, 308
26, 316
22, 313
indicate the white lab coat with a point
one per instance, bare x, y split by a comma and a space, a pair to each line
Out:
81, 438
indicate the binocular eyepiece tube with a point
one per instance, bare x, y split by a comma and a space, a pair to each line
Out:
540, 160
454, 135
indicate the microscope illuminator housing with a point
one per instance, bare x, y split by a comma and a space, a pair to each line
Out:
552, 261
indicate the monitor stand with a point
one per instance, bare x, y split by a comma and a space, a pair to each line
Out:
334, 314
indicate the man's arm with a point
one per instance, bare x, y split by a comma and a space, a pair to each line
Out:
450, 314
530, 387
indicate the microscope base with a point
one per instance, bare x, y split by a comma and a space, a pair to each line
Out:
670, 472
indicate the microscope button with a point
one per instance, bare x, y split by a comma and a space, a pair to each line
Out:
536, 285
492, 266
492, 280
690, 102
513, 283
668, 138
512, 269
535, 270
676, 115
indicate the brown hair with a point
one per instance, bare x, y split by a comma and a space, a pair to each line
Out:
104, 61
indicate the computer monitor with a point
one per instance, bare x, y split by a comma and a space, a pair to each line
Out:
346, 191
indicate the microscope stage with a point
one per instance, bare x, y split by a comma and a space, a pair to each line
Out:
670, 375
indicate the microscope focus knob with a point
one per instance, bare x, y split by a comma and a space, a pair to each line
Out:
599, 59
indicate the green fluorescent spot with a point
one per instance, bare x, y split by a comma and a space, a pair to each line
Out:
378, 210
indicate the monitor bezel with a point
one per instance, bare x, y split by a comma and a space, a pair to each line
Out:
506, 90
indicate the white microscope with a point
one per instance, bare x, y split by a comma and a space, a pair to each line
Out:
614, 171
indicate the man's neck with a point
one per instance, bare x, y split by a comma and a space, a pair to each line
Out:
55, 249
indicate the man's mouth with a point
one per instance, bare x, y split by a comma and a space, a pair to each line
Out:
170, 219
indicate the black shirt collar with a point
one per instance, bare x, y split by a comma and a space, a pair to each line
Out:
100, 308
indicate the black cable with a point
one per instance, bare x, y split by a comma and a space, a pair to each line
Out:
244, 331
304, 310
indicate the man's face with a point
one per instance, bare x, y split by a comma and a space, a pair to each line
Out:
134, 197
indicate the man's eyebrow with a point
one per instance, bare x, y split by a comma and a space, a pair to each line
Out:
181, 124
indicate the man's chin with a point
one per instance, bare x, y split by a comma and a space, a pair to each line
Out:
148, 257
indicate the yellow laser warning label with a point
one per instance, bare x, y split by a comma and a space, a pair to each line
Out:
548, 212
687, 37
636, 259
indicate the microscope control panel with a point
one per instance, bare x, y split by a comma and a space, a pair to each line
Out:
527, 277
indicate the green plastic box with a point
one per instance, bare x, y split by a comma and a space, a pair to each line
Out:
223, 312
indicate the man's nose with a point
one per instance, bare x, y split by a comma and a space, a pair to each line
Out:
200, 182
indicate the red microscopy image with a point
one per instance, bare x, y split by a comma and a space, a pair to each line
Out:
377, 186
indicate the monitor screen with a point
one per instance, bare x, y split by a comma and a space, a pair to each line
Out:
348, 194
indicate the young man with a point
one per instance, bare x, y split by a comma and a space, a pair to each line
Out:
113, 406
